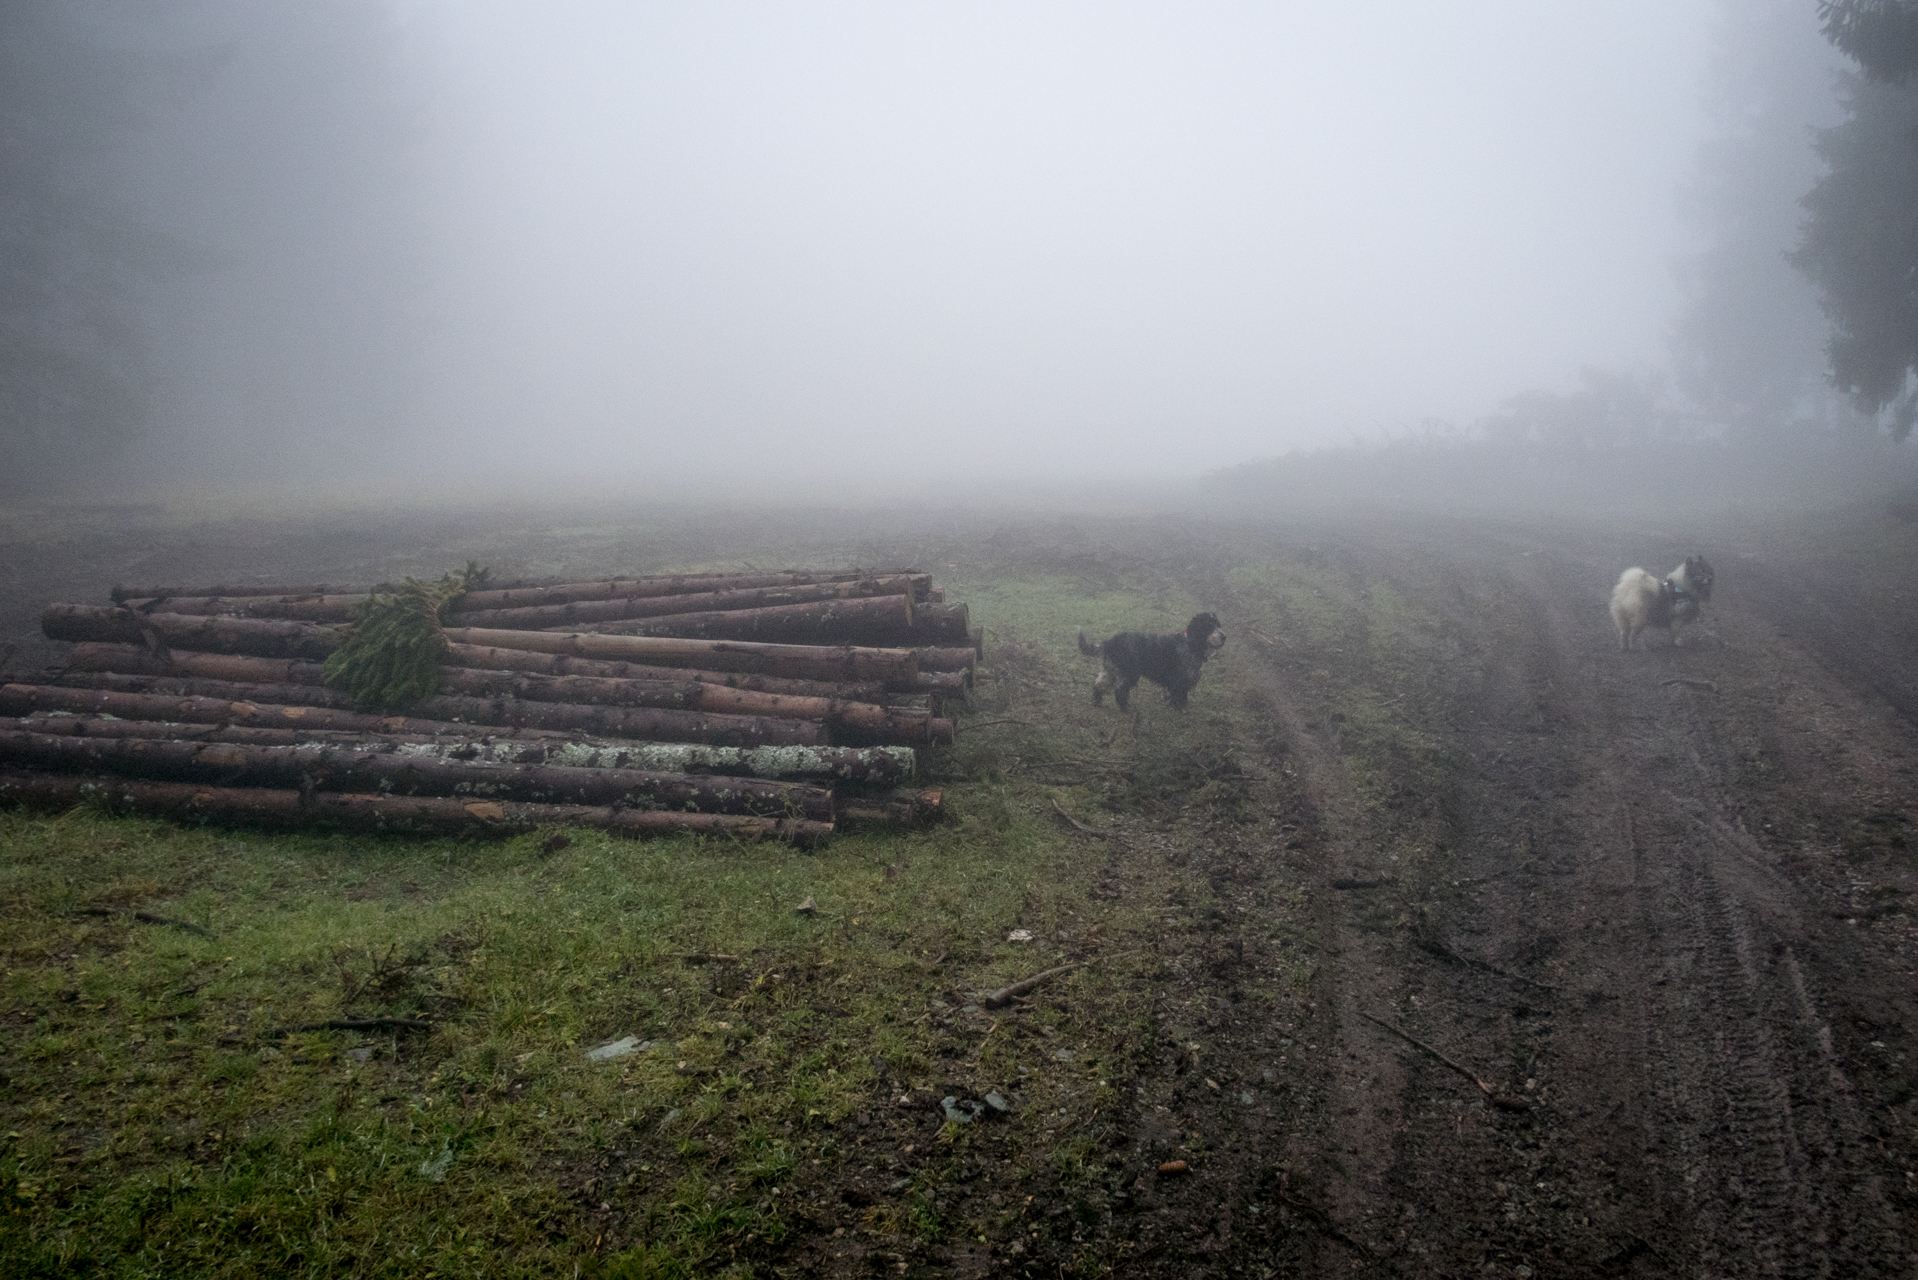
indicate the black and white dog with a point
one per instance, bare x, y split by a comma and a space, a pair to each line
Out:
1642, 600
1173, 661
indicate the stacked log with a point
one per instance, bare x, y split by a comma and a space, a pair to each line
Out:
752, 704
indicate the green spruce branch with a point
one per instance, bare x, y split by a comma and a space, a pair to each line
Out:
393, 647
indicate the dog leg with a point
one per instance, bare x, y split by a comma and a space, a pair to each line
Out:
1105, 681
1123, 694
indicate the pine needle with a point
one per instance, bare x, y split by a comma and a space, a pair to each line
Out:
393, 647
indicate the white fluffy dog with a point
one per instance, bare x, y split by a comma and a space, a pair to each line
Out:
1643, 600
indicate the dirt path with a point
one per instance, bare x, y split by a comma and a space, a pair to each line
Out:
1668, 917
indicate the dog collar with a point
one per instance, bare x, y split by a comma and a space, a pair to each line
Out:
1677, 590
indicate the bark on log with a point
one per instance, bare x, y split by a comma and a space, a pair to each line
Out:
291, 695
580, 612
261, 637
437, 715
946, 684
298, 608
941, 624
525, 591
822, 622
273, 638
334, 767
877, 725
376, 814
948, 659
25, 700
804, 662
338, 607
654, 724
122, 594
128, 659
668, 585
134, 660
556, 664
874, 765
469, 737
901, 808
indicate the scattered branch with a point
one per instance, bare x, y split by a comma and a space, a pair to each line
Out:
1320, 1218
355, 1024
1007, 994
146, 917
1691, 680
1504, 1102
1439, 948
1074, 823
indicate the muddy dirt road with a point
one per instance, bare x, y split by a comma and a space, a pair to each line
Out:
1657, 902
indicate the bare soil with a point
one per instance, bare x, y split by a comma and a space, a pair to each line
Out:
1654, 909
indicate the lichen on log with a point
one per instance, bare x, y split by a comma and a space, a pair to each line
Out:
286, 809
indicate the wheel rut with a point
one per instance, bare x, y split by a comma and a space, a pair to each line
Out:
1606, 938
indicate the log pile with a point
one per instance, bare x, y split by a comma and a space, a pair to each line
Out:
758, 705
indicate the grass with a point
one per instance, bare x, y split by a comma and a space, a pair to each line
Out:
158, 1119
157, 1122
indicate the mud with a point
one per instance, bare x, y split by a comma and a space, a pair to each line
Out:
1610, 964
1664, 917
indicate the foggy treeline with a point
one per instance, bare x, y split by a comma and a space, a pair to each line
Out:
1789, 379
211, 243
242, 247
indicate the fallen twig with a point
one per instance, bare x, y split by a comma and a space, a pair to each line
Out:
1320, 1218
1503, 1101
145, 917
1439, 948
1074, 823
701, 957
1007, 994
355, 1024
1362, 884
987, 724
1703, 684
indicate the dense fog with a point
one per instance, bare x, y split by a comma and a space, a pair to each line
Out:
369, 246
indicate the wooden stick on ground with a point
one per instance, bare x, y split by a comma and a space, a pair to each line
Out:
1007, 994
145, 917
1503, 1101
1074, 823
354, 1024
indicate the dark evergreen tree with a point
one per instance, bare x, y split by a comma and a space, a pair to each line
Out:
208, 240
1882, 35
74, 256
1748, 348
1860, 247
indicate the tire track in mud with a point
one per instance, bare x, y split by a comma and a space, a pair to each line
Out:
1690, 1117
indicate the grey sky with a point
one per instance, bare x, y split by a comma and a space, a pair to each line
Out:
1016, 239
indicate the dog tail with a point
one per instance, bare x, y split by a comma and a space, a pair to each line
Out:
1086, 646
